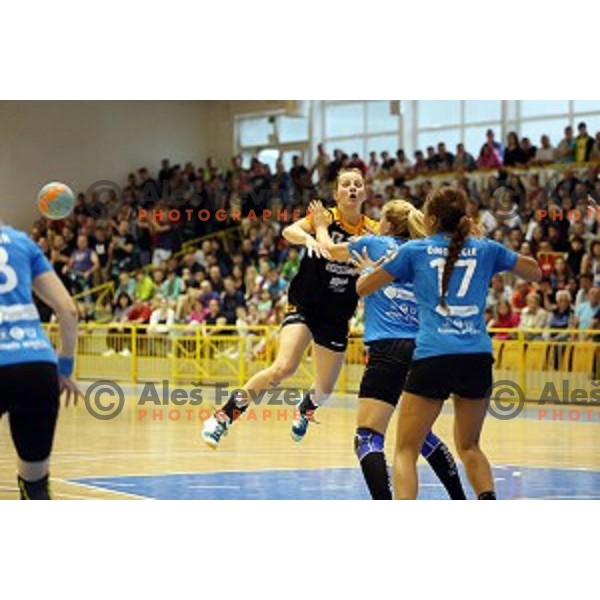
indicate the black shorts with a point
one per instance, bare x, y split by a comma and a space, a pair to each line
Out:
388, 365
328, 333
29, 393
437, 377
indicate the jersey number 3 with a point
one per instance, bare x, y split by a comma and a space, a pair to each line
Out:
7, 273
468, 263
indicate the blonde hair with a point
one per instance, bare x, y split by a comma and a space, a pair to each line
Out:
405, 219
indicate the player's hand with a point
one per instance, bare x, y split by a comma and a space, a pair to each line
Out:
592, 203
319, 214
316, 249
364, 261
68, 388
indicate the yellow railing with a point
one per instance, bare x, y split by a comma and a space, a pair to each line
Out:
536, 360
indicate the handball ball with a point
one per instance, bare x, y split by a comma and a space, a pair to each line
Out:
56, 200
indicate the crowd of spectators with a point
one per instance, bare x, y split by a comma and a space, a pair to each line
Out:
243, 283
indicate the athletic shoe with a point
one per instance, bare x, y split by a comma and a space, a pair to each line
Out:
214, 429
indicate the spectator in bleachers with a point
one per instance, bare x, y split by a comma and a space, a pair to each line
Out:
431, 160
165, 241
590, 264
122, 245
586, 312
533, 316
82, 266
162, 317
489, 158
565, 153
545, 154
498, 292
519, 297
504, 318
463, 160
492, 143
356, 162
402, 168
173, 286
444, 161
126, 286
562, 315
420, 167
595, 153
144, 287
139, 313
513, 153
231, 299
529, 150
576, 254
583, 144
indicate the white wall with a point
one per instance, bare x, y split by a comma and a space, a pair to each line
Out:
82, 142
79, 142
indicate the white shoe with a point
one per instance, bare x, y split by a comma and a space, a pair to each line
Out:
109, 352
214, 429
125, 352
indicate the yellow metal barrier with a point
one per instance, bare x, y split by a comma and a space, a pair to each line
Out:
540, 361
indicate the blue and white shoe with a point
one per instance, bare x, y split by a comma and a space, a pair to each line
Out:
215, 429
300, 427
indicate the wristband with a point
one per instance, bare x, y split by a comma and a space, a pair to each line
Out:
65, 366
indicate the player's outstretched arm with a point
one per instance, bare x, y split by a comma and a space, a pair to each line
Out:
299, 234
373, 276
321, 221
527, 268
51, 290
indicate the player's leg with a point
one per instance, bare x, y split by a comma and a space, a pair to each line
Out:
293, 341
469, 415
328, 364
416, 418
372, 419
440, 459
33, 414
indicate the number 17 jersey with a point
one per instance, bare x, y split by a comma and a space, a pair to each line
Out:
460, 327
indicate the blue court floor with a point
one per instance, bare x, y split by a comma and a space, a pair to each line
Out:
512, 482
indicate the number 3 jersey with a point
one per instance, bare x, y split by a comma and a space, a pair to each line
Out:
327, 288
22, 339
460, 327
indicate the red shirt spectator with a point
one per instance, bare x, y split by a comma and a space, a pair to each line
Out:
139, 313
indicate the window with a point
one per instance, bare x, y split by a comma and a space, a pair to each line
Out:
586, 105
344, 119
255, 132
292, 129
379, 119
450, 137
269, 156
474, 138
436, 113
553, 128
538, 108
483, 110
380, 143
350, 146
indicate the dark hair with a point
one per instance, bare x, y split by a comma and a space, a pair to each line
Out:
449, 206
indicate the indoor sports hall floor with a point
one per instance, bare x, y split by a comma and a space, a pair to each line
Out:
145, 457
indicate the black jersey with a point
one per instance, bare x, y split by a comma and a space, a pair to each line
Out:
327, 288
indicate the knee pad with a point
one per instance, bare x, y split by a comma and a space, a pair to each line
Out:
367, 441
432, 441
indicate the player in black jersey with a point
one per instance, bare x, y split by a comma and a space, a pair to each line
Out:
322, 299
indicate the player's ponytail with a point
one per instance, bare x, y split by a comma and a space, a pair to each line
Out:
449, 207
405, 219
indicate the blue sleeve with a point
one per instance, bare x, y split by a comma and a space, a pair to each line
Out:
375, 245
400, 266
503, 258
39, 263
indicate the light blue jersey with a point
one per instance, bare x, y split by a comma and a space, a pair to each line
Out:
21, 337
391, 312
459, 329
